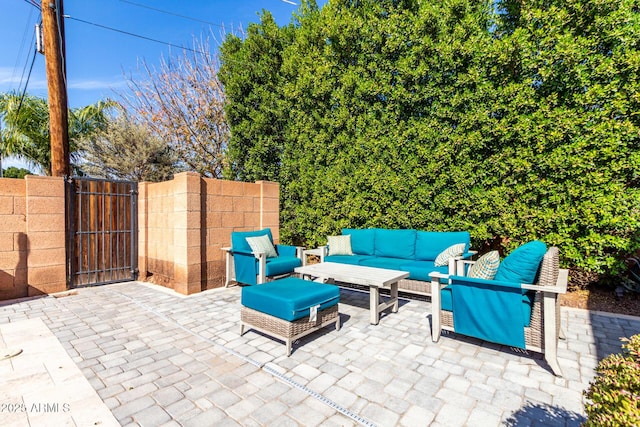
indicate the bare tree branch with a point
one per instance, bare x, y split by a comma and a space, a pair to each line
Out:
182, 102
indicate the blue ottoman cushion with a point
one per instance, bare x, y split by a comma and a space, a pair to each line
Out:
289, 299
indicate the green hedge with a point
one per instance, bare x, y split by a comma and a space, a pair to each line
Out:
513, 120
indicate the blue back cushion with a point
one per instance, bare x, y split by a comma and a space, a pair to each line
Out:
395, 243
429, 244
239, 239
521, 265
362, 241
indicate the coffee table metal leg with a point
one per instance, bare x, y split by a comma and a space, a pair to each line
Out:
374, 301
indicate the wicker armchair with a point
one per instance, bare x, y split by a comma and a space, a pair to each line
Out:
543, 331
254, 268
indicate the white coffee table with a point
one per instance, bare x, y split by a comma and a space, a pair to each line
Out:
374, 278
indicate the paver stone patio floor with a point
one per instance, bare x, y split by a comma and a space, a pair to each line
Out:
155, 358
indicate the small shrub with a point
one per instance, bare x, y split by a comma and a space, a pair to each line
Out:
615, 391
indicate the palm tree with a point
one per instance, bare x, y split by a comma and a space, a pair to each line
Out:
26, 131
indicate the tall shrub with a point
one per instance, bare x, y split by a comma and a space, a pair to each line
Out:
251, 74
513, 120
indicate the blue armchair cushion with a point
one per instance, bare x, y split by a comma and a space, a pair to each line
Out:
527, 304
286, 250
246, 267
239, 239
289, 299
521, 265
262, 244
395, 243
362, 241
281, 265
429, 244
489, 310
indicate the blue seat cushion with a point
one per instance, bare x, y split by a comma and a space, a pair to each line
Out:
382, 262
521, 265
362, 241
395, 243
347, 259
429, 244
289, 299
420, 270
281, 265
446, 302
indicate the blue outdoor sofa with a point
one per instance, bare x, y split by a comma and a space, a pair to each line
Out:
408, 250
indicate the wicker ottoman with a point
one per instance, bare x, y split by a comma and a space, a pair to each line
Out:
282, 308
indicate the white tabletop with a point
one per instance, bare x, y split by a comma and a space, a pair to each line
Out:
356, 274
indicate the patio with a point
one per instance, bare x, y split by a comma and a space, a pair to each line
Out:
155, 357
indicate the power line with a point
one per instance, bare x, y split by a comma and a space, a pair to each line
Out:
24, 92
21, 50
133, 34
33, 3
35, 51
172, 13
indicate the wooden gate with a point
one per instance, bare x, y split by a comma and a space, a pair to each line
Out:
102, 240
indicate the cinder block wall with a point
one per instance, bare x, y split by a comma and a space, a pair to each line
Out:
13, 239
32, 236
185, 223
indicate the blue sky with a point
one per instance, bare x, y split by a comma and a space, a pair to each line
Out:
97, 58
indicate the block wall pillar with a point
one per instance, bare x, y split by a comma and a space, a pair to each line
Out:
187, 233
45, 229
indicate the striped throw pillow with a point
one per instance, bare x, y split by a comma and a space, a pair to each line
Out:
451, 252
262, 244
486, 266
340, 245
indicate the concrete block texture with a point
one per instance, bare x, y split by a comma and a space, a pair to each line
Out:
46, 186
6, 205
12, 187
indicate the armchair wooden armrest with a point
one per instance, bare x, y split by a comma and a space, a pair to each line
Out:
559, 288
228, 266
436, 303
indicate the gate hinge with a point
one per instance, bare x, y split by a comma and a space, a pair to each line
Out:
132, 191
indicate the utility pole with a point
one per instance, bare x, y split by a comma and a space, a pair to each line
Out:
54, 53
